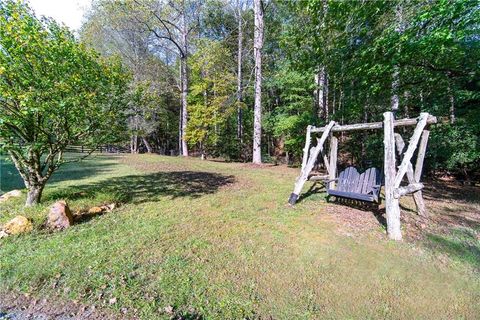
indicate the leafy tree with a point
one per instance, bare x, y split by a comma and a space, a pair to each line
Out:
54, 92
152, 108
212, 96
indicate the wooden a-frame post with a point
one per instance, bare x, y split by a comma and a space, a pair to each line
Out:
392, 204
307, 165
393, 179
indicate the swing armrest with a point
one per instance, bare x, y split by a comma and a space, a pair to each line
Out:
375, 188
331, 180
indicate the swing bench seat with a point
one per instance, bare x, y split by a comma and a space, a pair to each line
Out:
353, 185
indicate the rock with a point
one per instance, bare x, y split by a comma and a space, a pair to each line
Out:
10, 194
95, 210
18, 225
60, 216
112, 300
109, 207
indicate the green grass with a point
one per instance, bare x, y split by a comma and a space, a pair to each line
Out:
216, 240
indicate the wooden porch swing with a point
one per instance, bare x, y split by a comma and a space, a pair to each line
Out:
366, 186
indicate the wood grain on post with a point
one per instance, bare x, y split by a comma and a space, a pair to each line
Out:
392, 206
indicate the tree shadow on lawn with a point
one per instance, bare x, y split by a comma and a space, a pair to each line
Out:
374, 208
460, 244
10, 179
444, 190
150, 187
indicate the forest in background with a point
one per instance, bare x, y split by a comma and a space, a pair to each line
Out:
194, 69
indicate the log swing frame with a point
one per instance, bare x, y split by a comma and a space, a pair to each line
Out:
393, 144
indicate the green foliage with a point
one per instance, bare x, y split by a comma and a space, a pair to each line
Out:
212, 95
294, 111
433, 45
455, 147
53, 92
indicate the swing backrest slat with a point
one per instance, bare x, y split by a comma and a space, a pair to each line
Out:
352, 183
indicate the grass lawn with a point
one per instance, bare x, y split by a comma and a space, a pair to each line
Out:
216, 240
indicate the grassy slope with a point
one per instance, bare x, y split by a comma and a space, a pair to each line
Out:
216, 240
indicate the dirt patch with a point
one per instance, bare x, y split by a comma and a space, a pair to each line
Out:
355, 221
20, 306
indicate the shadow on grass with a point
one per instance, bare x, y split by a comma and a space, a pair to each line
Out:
460, 244
150, 187
455, 217
315, 188
10, 179
437, 190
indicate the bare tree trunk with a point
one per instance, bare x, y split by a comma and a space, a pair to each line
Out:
239, 73
452, 103
395, 100
258, 44
180, 126
320, 93
406, 96
334, 101
147, 145
134, 144
325, 104
184, 81
395, 83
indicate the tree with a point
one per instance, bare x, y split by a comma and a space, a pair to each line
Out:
171, 23
54, 92
239, 72
258, 45
212, 96
150, 112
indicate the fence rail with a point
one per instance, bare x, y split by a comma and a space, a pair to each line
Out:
99, 149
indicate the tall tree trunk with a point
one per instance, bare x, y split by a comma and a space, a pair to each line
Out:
184, 80
395, 100
321, 91
147, 145
320, 86
257, 45
325, 93
452, 103
406, 96
184, 115
239, 73
134, 144
334, 101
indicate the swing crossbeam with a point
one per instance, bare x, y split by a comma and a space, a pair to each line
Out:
373, 125
393, 176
